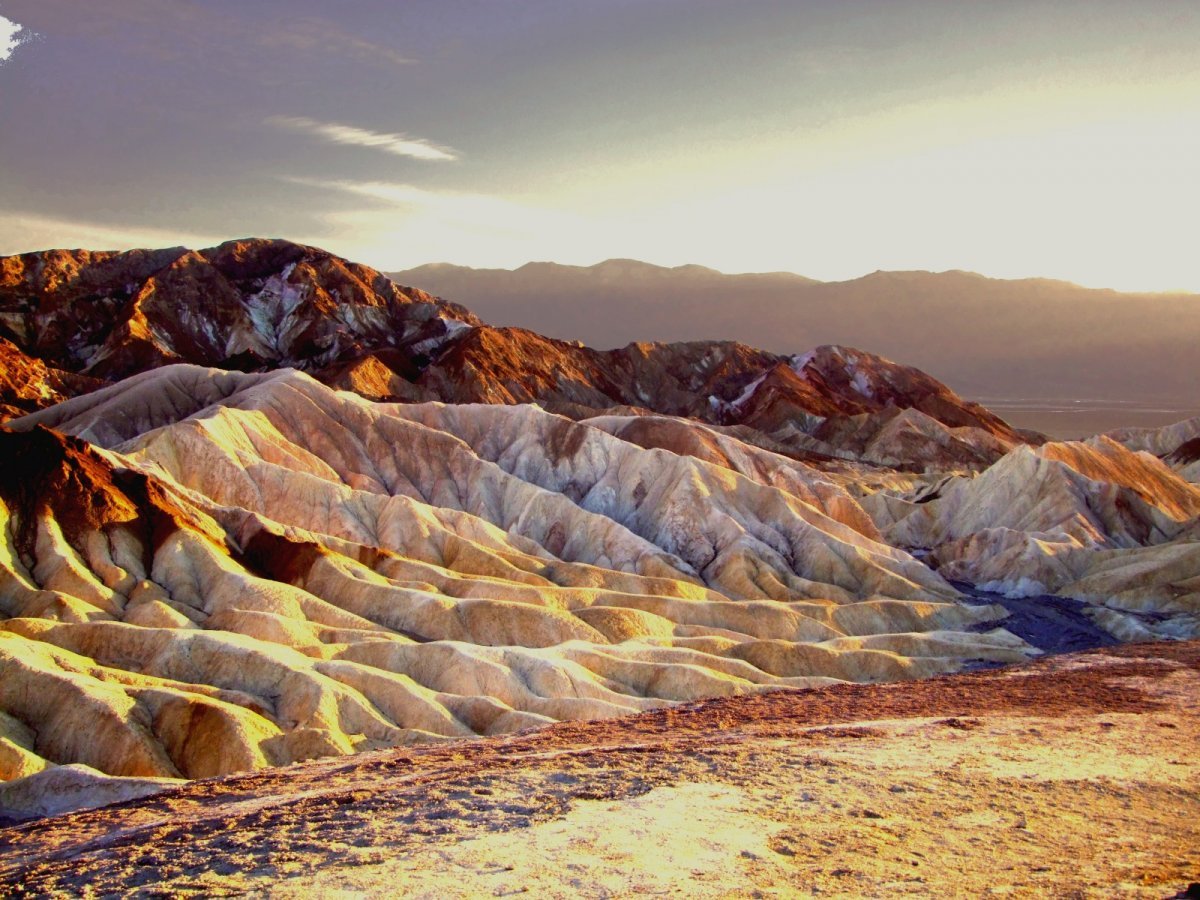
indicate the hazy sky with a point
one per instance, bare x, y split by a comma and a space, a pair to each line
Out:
826, 138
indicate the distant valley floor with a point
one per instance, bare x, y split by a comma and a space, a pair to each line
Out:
1073, 776
1073, 419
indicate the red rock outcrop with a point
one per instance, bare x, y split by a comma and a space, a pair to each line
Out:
27, 383
246, 304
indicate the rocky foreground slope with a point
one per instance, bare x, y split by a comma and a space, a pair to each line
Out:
1117, 529
1073, 777
369, 520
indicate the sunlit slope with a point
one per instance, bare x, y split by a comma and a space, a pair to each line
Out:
255, 569
1178, 445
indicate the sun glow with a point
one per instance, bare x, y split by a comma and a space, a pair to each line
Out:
1067, 152
1009, 187
1057, 190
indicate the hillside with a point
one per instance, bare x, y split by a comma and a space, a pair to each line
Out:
71, 321
261, 570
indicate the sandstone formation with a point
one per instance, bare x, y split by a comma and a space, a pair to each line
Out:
831, 401
59, 789
1177, 445
243, 305
1071, 776
27, 383
259, 305
220, 571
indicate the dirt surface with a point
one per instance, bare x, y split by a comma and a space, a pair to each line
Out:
1075, 776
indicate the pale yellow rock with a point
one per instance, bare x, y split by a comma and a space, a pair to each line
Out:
17, 758
76, 717
66, 788
305, 573
688, 438
156, 614
1095, 521
1158, 441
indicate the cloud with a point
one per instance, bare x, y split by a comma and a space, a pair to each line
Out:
398, 144
323, 36
12, 36
468, 207
478, 213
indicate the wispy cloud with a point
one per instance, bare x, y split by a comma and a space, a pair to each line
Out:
324, 36
471, 207
398, 144
481, 213
12, 36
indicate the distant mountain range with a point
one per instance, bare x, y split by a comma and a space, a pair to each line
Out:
1033, 338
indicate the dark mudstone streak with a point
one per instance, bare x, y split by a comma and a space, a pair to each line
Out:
1052, 624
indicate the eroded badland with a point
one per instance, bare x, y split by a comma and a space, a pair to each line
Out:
477, 590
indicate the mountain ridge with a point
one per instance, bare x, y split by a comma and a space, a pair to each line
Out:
1031, 337
700, 269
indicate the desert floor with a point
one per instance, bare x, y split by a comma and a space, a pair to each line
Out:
1076, 776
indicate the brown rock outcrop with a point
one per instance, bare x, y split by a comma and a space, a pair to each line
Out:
27, 383
243, 305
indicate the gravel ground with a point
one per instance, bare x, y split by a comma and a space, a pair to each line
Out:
1074, 776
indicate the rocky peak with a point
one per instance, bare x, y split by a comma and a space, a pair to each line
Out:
874, 383
245, 304
27, 383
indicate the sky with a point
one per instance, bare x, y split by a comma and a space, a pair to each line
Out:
831, 139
